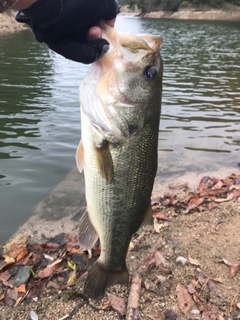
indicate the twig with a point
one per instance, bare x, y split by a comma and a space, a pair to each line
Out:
71, 314
134, 296
231, 304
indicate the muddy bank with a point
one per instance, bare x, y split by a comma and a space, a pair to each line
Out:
196, 15
9, 24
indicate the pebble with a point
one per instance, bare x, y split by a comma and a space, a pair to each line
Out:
195, 311
238, 305
33, 315
181, 260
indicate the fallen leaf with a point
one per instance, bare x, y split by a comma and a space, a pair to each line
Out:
23, 275
53, 284
161, 216
22, 288
45, 273
7, 262
211, 205
229, 197
10, 296
5, 275
15, 251
160, 260
149, 285
16, 241
184, 299
19, 299
151, 259
202, 278
225, 261
218, 279
72, 278
118, 304
55, 263
235, 268
210, 312
22, 254
191, 288
194, 203
195, 262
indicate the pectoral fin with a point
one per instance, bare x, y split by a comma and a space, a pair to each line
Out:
87, 234
80, 156
104, 162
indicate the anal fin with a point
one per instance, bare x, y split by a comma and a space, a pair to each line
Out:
105, 162
87, 234
99, 279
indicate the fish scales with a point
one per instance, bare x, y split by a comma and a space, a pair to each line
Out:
126, 200
120, 112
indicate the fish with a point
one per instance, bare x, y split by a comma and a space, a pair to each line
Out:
120, 102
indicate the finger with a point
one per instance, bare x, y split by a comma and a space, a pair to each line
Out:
94, 32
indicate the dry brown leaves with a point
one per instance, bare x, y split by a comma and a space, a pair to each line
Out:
26, 268
210, 192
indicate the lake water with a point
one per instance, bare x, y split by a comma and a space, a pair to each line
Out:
39, 109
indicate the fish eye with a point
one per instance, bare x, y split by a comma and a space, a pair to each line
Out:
150, 72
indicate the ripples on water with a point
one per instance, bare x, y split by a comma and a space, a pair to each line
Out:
39, 111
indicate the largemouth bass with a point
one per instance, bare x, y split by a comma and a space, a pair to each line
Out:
120, 111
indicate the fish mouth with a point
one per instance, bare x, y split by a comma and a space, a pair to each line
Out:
129, 49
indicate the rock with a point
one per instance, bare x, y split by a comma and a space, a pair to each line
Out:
181, 260
195, 311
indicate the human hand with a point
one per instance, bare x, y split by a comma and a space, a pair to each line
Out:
69, 27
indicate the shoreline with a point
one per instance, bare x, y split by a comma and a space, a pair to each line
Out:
191, 14
9, 24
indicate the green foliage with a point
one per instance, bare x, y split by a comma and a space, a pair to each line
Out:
171, 5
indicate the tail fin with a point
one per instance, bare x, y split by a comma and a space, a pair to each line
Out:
99, 279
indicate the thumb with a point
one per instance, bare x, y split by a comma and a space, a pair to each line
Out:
87, 52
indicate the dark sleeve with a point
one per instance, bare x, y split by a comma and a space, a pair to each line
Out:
79, 52
55, 20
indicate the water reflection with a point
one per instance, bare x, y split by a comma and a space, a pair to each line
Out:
22, 91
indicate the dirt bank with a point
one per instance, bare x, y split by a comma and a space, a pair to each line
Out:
186, 264
9, 24
196, 15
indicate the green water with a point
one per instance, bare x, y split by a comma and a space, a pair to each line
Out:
39, 109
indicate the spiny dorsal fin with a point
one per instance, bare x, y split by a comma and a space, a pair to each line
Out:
80, 156
87, 234
104, 162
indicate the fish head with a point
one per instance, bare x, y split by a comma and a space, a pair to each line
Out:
126, 82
